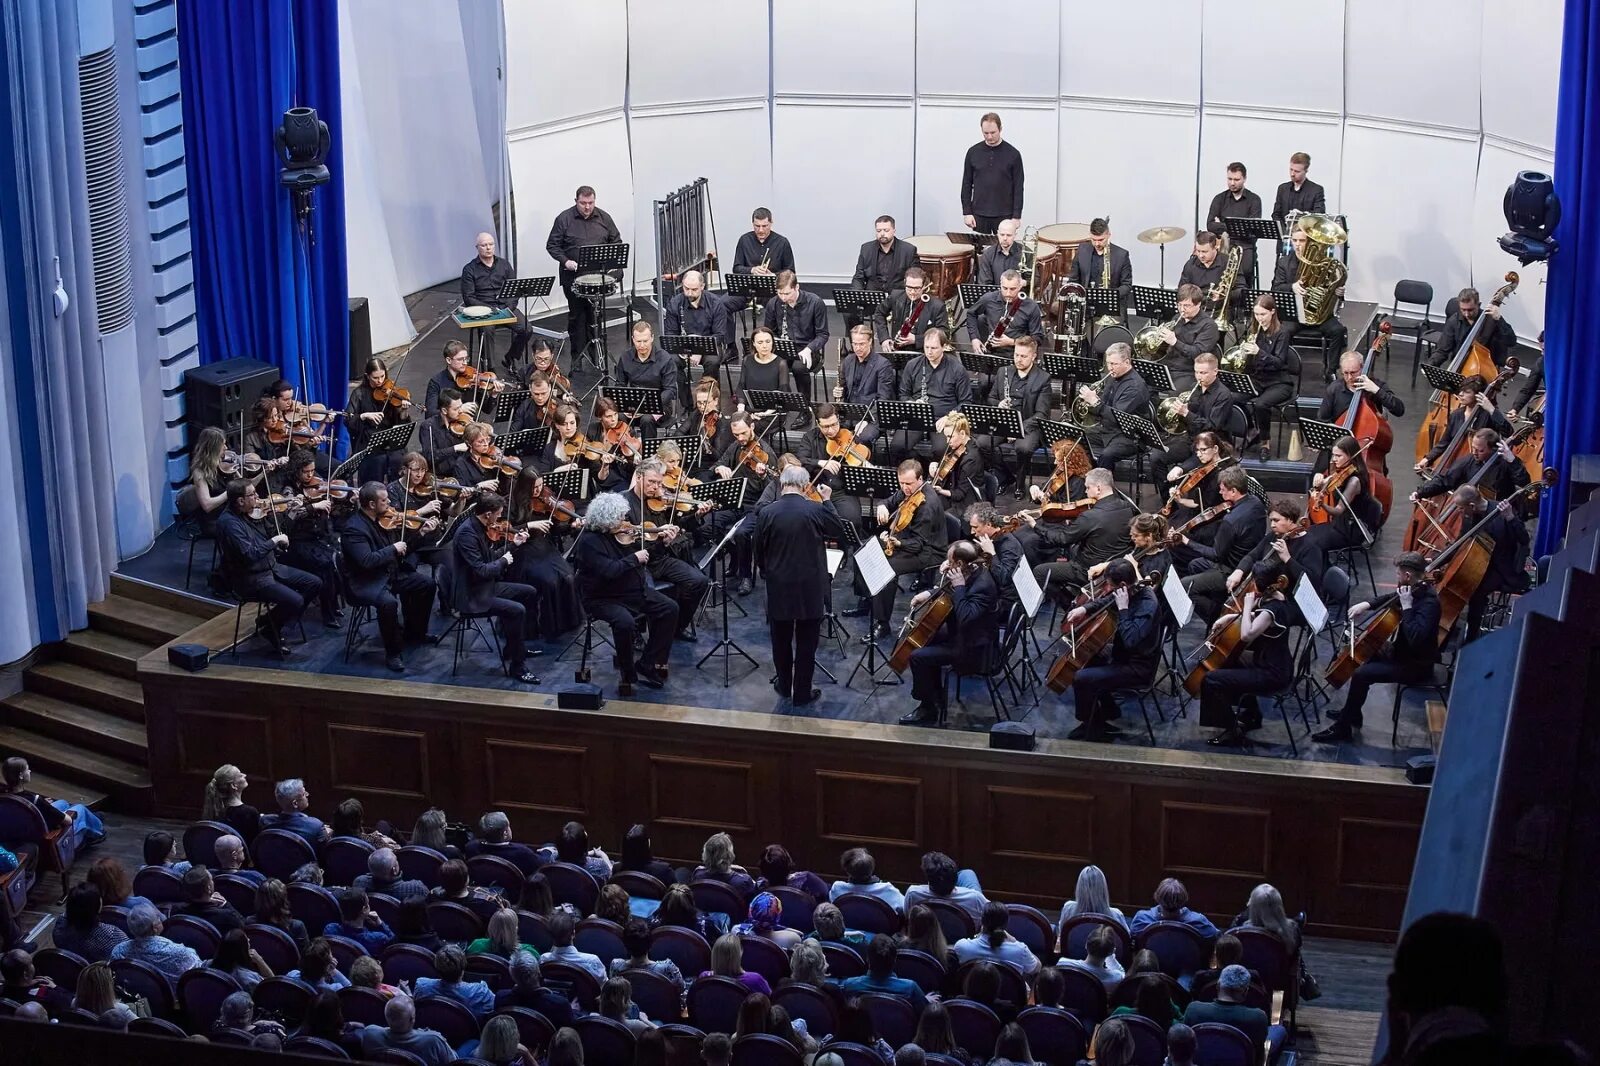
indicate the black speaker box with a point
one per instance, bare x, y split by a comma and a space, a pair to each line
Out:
579, 697
189, 656
1011, 736
360, 337
221, 394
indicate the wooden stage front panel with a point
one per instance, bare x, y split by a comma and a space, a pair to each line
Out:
1337, 840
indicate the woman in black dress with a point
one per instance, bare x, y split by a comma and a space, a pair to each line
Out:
763, 371
1353, 510
1275, 368
366, 414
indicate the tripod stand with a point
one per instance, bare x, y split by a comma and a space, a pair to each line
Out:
727, 645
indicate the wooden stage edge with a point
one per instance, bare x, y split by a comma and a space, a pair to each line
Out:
1337, 840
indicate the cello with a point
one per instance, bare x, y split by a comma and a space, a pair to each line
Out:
1227, 635
1363, 419
1470, 358
923, 623
1087, 639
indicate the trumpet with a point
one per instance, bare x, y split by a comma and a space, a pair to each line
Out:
1167, 416
1241, 356
1084, 416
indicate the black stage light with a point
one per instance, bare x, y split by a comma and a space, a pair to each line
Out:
302, 141
1532, 210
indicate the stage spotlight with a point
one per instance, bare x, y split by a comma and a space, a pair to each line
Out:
1533, 211
302, 141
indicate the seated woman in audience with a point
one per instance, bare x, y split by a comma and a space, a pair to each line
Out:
790, 1030
1172, 905
412, 925
716, 864
616, 1003
638, 857
861, 877
1092, 896
1102, 959
1227, 951
349, 821
224, 802
319, 969
1151, 1000
1011, 1049
161, 850
827, 923
613, 904
367, 972
16, 779
272, 908
934, 1034
649, 1049
116, 887
855, 1027
1048, 987
924, 933
1265, 911
325, 1021
97, 993
766, 920
429, 832
536, 896
752, 1016
308, 873
236, 958
80, 929
994, 944
807, 966
777, 868
636, 939
566, 1049
677, 908
1113, 1043
502, 939
528, 990
727, 960
501, 1044
983, 986
572, 846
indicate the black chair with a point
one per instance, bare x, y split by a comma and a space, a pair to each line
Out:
364, 1006
867, 913
718, 897
385, 907
279, 853
762, 1049
200, 994
313, 905
407, 962
798, 907
200, 842
1441, 689
843, 960
116, 917
288, 998
62, 967
418, 863
640, 885
1219, 1044
991, 667
714, 1003
1013, 986
955, 920
232, 1038
572, 884
314, 1045
604, 1040
812, 1004
601, 938
195, 933
926, 971
21, 823
239, 891
533, 1029
1056, 1037
534, 930
1029, 925
1075, 932
464, 622
491, 871
1432, 337
1181, 949
160, 885
142, 979
447, 1017
345, 951
344, 859
685, 947
764, 957
396, 1057
454, 922
580, 982
975, 1026
655, 995
892, 1017
1149, 1040
854, 1054
1083, 994
79, 1016
1419, 294
152, 1027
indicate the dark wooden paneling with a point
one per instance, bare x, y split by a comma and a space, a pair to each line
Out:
544, 779
384, 763
206, 740
877, 810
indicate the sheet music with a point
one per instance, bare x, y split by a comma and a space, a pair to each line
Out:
1177, 597
1310, 604
1029, 593
874, 567
835, 559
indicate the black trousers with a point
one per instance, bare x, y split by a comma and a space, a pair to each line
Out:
1010, 456
512, 604
580, 317
317, 557
520, 335
1220, 692
688, 584
1332, 330
1110, 447
1209, 591
987, 223
1379, 672
741, 564
1160, 460
794, 653
557, 585
1261, 408
408, 591
1099, 681
1065, 579
286, 594
661, 622
927, 666
883, 602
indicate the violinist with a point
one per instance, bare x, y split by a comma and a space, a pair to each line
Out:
957, 475
1286, 540
915, 537
382, 575
1125, 392
1022, 387
1000, 546
1344, 496
268, 435
904, 317
1228, 694
539, 409
615, 443
1150, 557
1209, 407
1474, 407
206, 495
614, 583
478, 464
1237, 531
1489, 463
457, 375
251, 569
744, 458
825, 450
696, 313
416, 492
1274, 367
376, 403
544, 362
313, 541
671, 555
1408, 659
443, 437
1211, 455
707, 421
538, 562
480, 557
650, 367
936, 379
968, 638
774, 487
790, 537
1131, 659
865, 378
1003, 316
1065, 484
1507, 569
1100, 533
1336, 398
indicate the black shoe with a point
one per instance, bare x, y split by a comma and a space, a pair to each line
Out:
526, 676
1016, 493
925, 714
816, 694
1247, 722
624, 690
780, 690
1105, 733
1333, 734
746, 587
1333, 714
1228, 738
860, 610
397, 664
1266, 453
1081, 732
684, 635
650, 679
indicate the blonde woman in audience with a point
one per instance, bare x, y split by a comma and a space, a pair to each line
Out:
716, 864
97, 992
1092, 896
501, 1044
613, 904
502, 939
807, 966
727, 960
565, 1049
224, 802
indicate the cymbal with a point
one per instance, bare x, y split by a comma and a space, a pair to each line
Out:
1162, 234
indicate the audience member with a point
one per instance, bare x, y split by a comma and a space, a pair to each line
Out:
1092, 896
1113, 1043
1227, 951
325, 1021
727, 960
202, 900
649, 1049
161, 850
1102, 959
32, 1011
455, 886
537, 897
412, 925
1181, 1045
636, 940
566, 1049
716, 864
97, 993
1447, 994
116, 887
717, 1050
528, 990
856, 1027
572, 846
238, 1013
935, 1035
613, 904
925, 934
880, 975
616, 1003
826, 1058
766, 921
293, 799
367, 972
307, 873
562, 928
1229, 1008
1152, 1000
910, 1055
860, 876
357, 922
272, 908
401, 1032
20, 984
777, 868
451, 963
994, 944
982, 985
494, 838
807, 966
86, 828
1011, 1049
1265, 911
501, 1045
945, 880
1049, 987
678, 908
383, 876
146, 944
430, 832
224, 802
80, 929
239, 960
349, 820
1172, 905
827, 923
231, 857
502, 938
638, 856
319, 969
752, 1016
791, 1030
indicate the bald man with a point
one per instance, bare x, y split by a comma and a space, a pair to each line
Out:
481, 281
1003, 255
695, 312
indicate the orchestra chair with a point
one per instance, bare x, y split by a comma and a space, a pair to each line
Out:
1417, 294
991, 668
1434, 685
193, 532
361, 614
464, 621
1433, 337
1147, 695
262, 607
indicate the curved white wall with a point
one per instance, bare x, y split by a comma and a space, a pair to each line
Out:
832, 111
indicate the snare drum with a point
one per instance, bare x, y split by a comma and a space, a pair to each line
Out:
594, 286
946, 263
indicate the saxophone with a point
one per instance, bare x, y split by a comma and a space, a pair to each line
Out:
1220, 293
1321, 275
1105, 283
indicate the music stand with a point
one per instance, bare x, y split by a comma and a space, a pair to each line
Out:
971, 292
858, 303
729, 493
683, 345
506, 404
1081, 368
352, 464
1445, 380
978, 241
899, 357
1140, 429
720, 555
1321, 435
1157, 305
757, 289
1284, 298
901, 414
876, 482
1156, 375
1100, 301
775, 400
873, 551
836, 629
569, 484
1242, 384
599, 259
1051, 431
850, 414
524, 441
1056, 363
520, 290
632, 401
984, 362
391, 439
1000, 422
688, 444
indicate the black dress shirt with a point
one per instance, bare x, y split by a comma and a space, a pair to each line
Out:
659, 372
991, 181
1214, 409
370, 559
884, 271
1099, 534
1225, 205
1088, 265
1336, 400
1496, 335
866, 382
1138, 639
571, 231
1129, 394
248, 554
896, 310
1276, 361
710, 319
993, 262
987, 313
609, 571
1240, 530
481, 284
1031, 396
1417, 639
1305, 557
1499, 481
1195, 335
776, 251
1309, 197
807, 320
926, 537
947, 386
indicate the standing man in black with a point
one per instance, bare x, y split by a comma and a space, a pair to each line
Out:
614, 583
883, 261
1496, 335
383, 578
1003, 255
581, 224
477, 565
799, 316
1090, 263
762, 251
967, 640
251, 569
1299, 193
791, 534
481, 281
1235, 201
991, 180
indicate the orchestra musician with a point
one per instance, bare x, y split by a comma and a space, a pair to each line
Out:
443, 436
916, 534
649, 366
251, 570
614, 583
544, 362
1204, 270
478, 564
1408, 659
563, 451
475, 465
1210, 407
481, 281
1194, 331
763, 371
381, 574
938, 380
1507, 569
1098, 534
613, 466
790, 538
1089, 264
581, 224
865, 379
455, 365
801, 317
538, 562
365, 414
742, 459
707, 421
266, 422
1286, 275
1228, 694
1530, 388
761, 250
1505, 475
966, 640
1336, 397
827, 469
1001, 548
1299, 193
1274, 367
991, 180
415, 489
962, 467
1496, 335
670, 554
1128, 392
1003, 255
1285, 539
905, 316
1063, 486
1208, 449
1236, 532
205, 497
883, 261
1235, 201
539, 409
1008, 307
313, 541
1150, 557
1356, 514
1129, 662
697, 313
1022, 387
774, 484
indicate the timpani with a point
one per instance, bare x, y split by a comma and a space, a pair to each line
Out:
946, 263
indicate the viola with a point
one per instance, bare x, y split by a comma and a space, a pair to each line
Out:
708, 425
847, 450
628, 533
902, 519
234, 464
395, 519
495, 459
1175, 536
458, 425
277, 504
546, 502
663, 504
947, 464
753, 455
446, 487
1192, 481
674, 479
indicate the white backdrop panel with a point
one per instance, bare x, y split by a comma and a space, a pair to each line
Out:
696, 49
844, 47
1519, 97
669, 150
552, 74
1098, 57
545, 172
946, 129
1137, 184
1415, 61
1394, 235
1496, 168
834, 169
1239, 73
945, 56
1264, 143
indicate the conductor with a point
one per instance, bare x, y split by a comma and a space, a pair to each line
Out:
790, 534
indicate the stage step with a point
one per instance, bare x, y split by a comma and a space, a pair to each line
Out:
124, 782
56, 788
87, 727
172, 599
103, 651
139, 620
88, 687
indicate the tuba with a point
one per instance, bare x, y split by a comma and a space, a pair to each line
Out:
1321, 275
1241, 357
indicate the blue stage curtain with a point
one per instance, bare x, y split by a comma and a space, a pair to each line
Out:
262, 288
1572, 304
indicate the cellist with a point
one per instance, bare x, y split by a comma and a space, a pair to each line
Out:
1408, 659
1131, 660
1505, 473
968, 636
1474, 407
1228, 694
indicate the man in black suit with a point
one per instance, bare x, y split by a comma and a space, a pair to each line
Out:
1299, 193
1235, 201
883, 261
1131, 660
670, 556
614, 583
802, 317
381, 576
1100, 533
477, 565
1237, 531
251, 569
966, 640
1089, 264
648, 366
790, 537
905, 316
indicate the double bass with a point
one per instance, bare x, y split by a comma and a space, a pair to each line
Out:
1435, 513
1364, 420
1470, 358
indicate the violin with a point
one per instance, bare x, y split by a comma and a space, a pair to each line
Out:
275, 428
320, 488
947, 464
445, 487
546, 502
902, 520
708, 425
1175, 536
469, 377
234, 464
1319, 509
674, 479
578, 445
391, 394
630, 532
1191, 481
395, 519
308, 424
663, 504
847, 450
495, 459
276, 504
622, 441
457, 426
753, 455
501, 530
